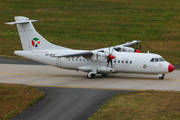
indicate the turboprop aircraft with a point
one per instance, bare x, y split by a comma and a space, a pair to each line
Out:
118, 59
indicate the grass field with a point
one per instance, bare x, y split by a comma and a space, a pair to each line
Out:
145, 105
91, 24
15, 98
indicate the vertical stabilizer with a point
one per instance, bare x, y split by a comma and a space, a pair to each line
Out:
30, 38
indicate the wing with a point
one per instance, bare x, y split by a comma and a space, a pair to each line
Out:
121, 47
99, 56
85, 54
128, 44
89, 54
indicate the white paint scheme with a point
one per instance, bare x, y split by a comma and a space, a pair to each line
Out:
96, 63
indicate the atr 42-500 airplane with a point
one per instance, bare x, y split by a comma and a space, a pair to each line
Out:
118, 59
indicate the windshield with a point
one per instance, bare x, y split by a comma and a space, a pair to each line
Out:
157, 60
161, 59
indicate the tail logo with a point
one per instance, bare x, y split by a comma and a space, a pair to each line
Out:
35, 42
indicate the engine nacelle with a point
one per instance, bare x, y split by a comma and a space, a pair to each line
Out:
99, 56
124, 49
106, 70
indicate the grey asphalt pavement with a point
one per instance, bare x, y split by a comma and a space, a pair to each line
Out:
63, 103
8, 60
67, 104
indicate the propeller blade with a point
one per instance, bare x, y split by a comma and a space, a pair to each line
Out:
137, 44
110, 57
111, 64
109, 48
108, 62
139, 47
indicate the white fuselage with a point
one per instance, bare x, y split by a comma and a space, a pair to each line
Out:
125, 62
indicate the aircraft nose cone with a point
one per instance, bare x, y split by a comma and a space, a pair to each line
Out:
171, 68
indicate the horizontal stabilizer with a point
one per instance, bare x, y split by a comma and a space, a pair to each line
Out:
21, 22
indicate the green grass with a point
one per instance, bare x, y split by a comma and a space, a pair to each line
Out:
15, 98
92, 24
146, 105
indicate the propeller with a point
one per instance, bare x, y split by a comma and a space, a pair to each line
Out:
137, 49
110, 57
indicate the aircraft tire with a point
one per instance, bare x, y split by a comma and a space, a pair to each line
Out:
91, 76
162, 77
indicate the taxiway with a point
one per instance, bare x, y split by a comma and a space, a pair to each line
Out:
69, 94
49, 76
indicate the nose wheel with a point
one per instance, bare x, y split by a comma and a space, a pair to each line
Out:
161, 76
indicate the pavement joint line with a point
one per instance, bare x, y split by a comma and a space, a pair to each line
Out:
86, 87
84, 76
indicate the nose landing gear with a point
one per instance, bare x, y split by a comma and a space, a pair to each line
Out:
161, 76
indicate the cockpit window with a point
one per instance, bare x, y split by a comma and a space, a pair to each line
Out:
161, 59
157, 60
152, 60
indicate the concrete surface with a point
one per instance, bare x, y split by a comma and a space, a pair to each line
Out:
64, 99
44, 75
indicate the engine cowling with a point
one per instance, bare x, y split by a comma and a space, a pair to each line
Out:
126, 49
99, 56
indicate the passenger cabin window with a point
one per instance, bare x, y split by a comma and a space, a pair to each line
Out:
114, 61
130, 62
118, 61
126, 61
122, 61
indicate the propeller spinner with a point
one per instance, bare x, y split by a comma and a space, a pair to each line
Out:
137, 49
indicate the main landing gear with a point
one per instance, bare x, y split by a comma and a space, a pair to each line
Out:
161, 76
92, 74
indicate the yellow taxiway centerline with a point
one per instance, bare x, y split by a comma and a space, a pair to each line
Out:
84, 76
